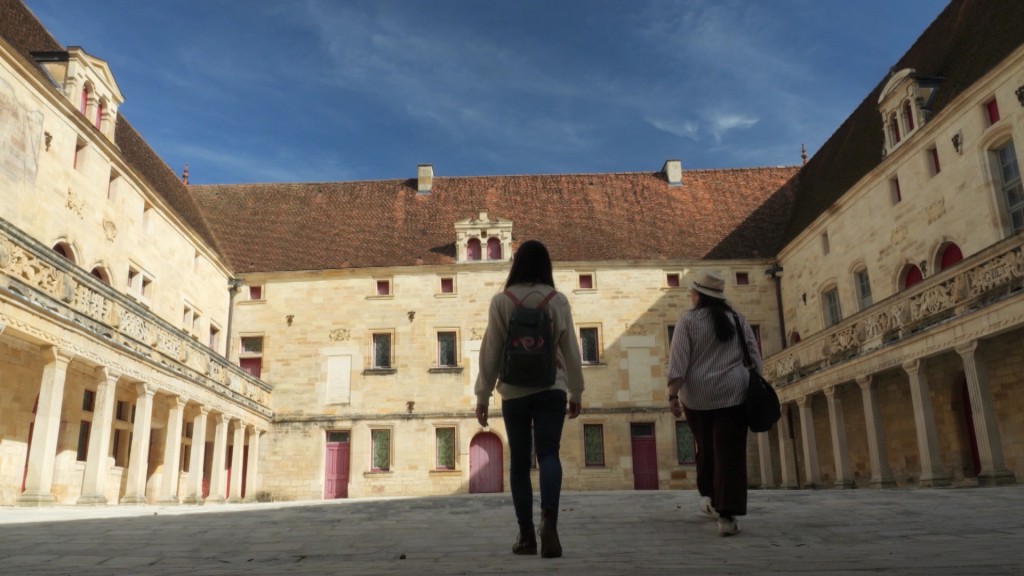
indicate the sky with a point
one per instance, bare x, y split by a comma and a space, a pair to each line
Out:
329, 90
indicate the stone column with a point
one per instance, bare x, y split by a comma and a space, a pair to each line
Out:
220, 449
254, 456
881, 474
932, 473
237, 458
172, 451
840, 450
812, 470
764, 451
138, 467
97, 464
194, 489
786, 456
43, 452
986, 429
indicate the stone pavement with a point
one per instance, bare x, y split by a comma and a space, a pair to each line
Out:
830, 532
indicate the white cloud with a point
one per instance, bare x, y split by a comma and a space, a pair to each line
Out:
682, 128
720, 123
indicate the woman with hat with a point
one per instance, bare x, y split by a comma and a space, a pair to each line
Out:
708, 382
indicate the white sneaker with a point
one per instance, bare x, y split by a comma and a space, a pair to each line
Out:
727, 526
707, 508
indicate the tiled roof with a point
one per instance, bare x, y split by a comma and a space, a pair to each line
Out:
22, 30
964, 42
581, 217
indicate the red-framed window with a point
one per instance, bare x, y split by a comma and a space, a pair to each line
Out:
493, 249
992, 111
951, 254
586, 281
672, 280
473, 249
912, 275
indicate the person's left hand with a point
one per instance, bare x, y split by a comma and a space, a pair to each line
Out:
574, 409
481, 414
676, 407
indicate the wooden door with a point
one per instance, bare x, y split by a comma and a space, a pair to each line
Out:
336, 466
486, 470
645, 457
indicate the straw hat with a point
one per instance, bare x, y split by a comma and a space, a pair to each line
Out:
710, 284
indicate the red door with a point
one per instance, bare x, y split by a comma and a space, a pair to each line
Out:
645, 457
485, 464
336, 466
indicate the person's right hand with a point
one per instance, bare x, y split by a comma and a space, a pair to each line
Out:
481, 414
574, 409
676, 407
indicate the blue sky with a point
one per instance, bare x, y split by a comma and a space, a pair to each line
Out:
328, 90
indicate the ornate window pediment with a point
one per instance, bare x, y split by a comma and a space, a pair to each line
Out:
483, 239
87, 82
905, 105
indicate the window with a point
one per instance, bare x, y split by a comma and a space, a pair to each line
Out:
83, 440
894, 130
670, 331
187, 317
256, 292
1010, 184
586, 281
686, 449
950, 255
830, 307
825, 247
756, 329
383, 287
381, 450
381, 351
447, 285
593, 445
590, 345
447, 349
140, 284
112, 186
911, 275
444, 439
122, 411
214, 341
101, 273
672, 280
64, 249
78, 160
894, 190
992, 111
863, 284
99, 114
84, 104
934, 167
473, 249
250, 358
493, 249
88, 401
742, 279
908, 117
147, 216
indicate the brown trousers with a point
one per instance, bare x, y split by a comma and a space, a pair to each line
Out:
721, 438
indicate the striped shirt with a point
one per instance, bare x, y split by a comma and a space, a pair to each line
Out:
712, 372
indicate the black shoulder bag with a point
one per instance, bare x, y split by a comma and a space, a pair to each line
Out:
762, 403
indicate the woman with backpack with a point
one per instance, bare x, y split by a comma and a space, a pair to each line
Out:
708, 382
540, 378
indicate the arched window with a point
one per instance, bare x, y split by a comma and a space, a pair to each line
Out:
911, 275
64, 249
894, 130
473, 249
99, 114
794, 338
84, 104
101, 273
493, 249
950, 255
908, 117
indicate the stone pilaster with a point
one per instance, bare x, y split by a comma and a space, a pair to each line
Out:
932, 473
840, 449
194, 486
812, 471
97, 465
986, 429
138, 466
786, 456
881, 474
42, 453
172, 451
218, 487
237, 463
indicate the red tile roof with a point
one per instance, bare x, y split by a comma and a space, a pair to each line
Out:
581, 217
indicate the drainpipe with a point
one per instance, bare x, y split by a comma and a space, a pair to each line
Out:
233, 285
775, 272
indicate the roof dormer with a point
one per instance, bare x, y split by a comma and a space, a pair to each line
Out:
482, 239
905, 105
87, 83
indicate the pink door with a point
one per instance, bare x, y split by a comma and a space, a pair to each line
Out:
485, 464
645, 457
336, 466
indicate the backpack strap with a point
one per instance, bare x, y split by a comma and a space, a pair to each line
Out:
519, 302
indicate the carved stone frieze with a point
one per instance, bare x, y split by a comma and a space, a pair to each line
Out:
109, 230
339, 335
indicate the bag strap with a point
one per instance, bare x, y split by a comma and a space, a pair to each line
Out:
519, 302
747, 362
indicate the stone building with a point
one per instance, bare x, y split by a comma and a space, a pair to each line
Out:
166, 342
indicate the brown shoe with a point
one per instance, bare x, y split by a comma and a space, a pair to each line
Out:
526, 544
550, 546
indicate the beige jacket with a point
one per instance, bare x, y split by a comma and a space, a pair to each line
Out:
570, 366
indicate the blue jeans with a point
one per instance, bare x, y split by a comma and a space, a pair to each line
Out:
543, 413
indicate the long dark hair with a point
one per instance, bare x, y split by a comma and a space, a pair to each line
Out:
531, 265
720, 315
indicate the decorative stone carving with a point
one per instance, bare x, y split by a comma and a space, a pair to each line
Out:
74, 204
635, 330
110, 230
340, 335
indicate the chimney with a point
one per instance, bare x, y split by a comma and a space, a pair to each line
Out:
424, 178
673, 170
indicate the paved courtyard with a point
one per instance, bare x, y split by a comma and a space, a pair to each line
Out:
977, 531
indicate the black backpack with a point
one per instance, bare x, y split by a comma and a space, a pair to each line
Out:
529, 355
